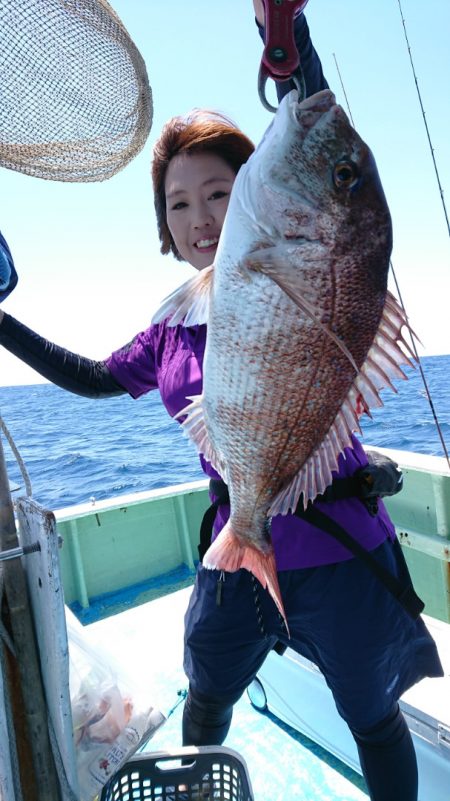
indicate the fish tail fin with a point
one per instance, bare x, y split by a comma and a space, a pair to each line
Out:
229, 553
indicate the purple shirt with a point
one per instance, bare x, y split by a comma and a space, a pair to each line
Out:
171, 359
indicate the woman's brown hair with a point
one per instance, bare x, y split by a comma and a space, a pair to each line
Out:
199, 132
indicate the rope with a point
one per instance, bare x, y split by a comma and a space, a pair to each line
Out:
20, 462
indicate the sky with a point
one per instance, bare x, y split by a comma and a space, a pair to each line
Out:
90, 271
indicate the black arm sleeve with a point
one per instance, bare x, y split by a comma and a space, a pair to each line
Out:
86, 377
309, 61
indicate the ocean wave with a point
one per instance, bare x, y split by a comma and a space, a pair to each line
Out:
81, 448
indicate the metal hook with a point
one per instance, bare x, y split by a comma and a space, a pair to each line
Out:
262, 80
297, 79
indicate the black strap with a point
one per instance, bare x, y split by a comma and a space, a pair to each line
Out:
220, 490
405, 594
206, 528
341, 488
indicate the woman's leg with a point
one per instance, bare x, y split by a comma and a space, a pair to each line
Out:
370, 652
206, 720
388, 759
227, 637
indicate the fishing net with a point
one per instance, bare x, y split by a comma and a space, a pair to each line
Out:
76, 104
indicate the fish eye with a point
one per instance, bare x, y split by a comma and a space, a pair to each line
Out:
345, 174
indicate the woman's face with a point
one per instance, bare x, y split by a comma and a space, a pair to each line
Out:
197, 188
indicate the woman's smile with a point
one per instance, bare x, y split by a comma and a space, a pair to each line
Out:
198, 188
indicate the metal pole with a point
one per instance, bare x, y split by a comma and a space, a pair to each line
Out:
38, 776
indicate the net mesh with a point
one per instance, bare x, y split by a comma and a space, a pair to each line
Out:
75, 98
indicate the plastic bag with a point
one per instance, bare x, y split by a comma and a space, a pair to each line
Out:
110, 717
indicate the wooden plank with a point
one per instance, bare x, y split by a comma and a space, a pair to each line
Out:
38, 775
38, 525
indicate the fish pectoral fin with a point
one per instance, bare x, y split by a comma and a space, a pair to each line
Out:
316, 474
387, 354
194, 427
189, 303
273, 263
230, 554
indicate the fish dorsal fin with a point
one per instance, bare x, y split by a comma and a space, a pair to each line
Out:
273, 263
190, 302
194, 427
382, 364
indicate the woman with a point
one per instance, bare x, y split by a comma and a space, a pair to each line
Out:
340, 615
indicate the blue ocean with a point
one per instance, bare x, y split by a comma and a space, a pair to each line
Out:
75, 449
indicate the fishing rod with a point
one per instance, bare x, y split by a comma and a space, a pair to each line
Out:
441, 191
412, 337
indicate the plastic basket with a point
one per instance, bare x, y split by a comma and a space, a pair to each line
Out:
206, 773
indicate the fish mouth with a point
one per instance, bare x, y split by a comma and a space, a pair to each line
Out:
320, 101
318, 107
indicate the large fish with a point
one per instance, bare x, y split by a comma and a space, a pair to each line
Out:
302, 331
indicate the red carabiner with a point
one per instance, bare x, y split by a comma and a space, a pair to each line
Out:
280, 59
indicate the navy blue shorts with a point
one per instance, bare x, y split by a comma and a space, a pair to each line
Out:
340, 617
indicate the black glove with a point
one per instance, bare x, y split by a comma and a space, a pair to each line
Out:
381, 477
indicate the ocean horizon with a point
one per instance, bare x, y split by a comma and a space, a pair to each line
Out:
77, 448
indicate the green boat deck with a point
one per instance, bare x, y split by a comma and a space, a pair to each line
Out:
146, 549
125, 551
147, 641
126, 568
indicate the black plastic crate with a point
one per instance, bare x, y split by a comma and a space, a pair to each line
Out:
206, 773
